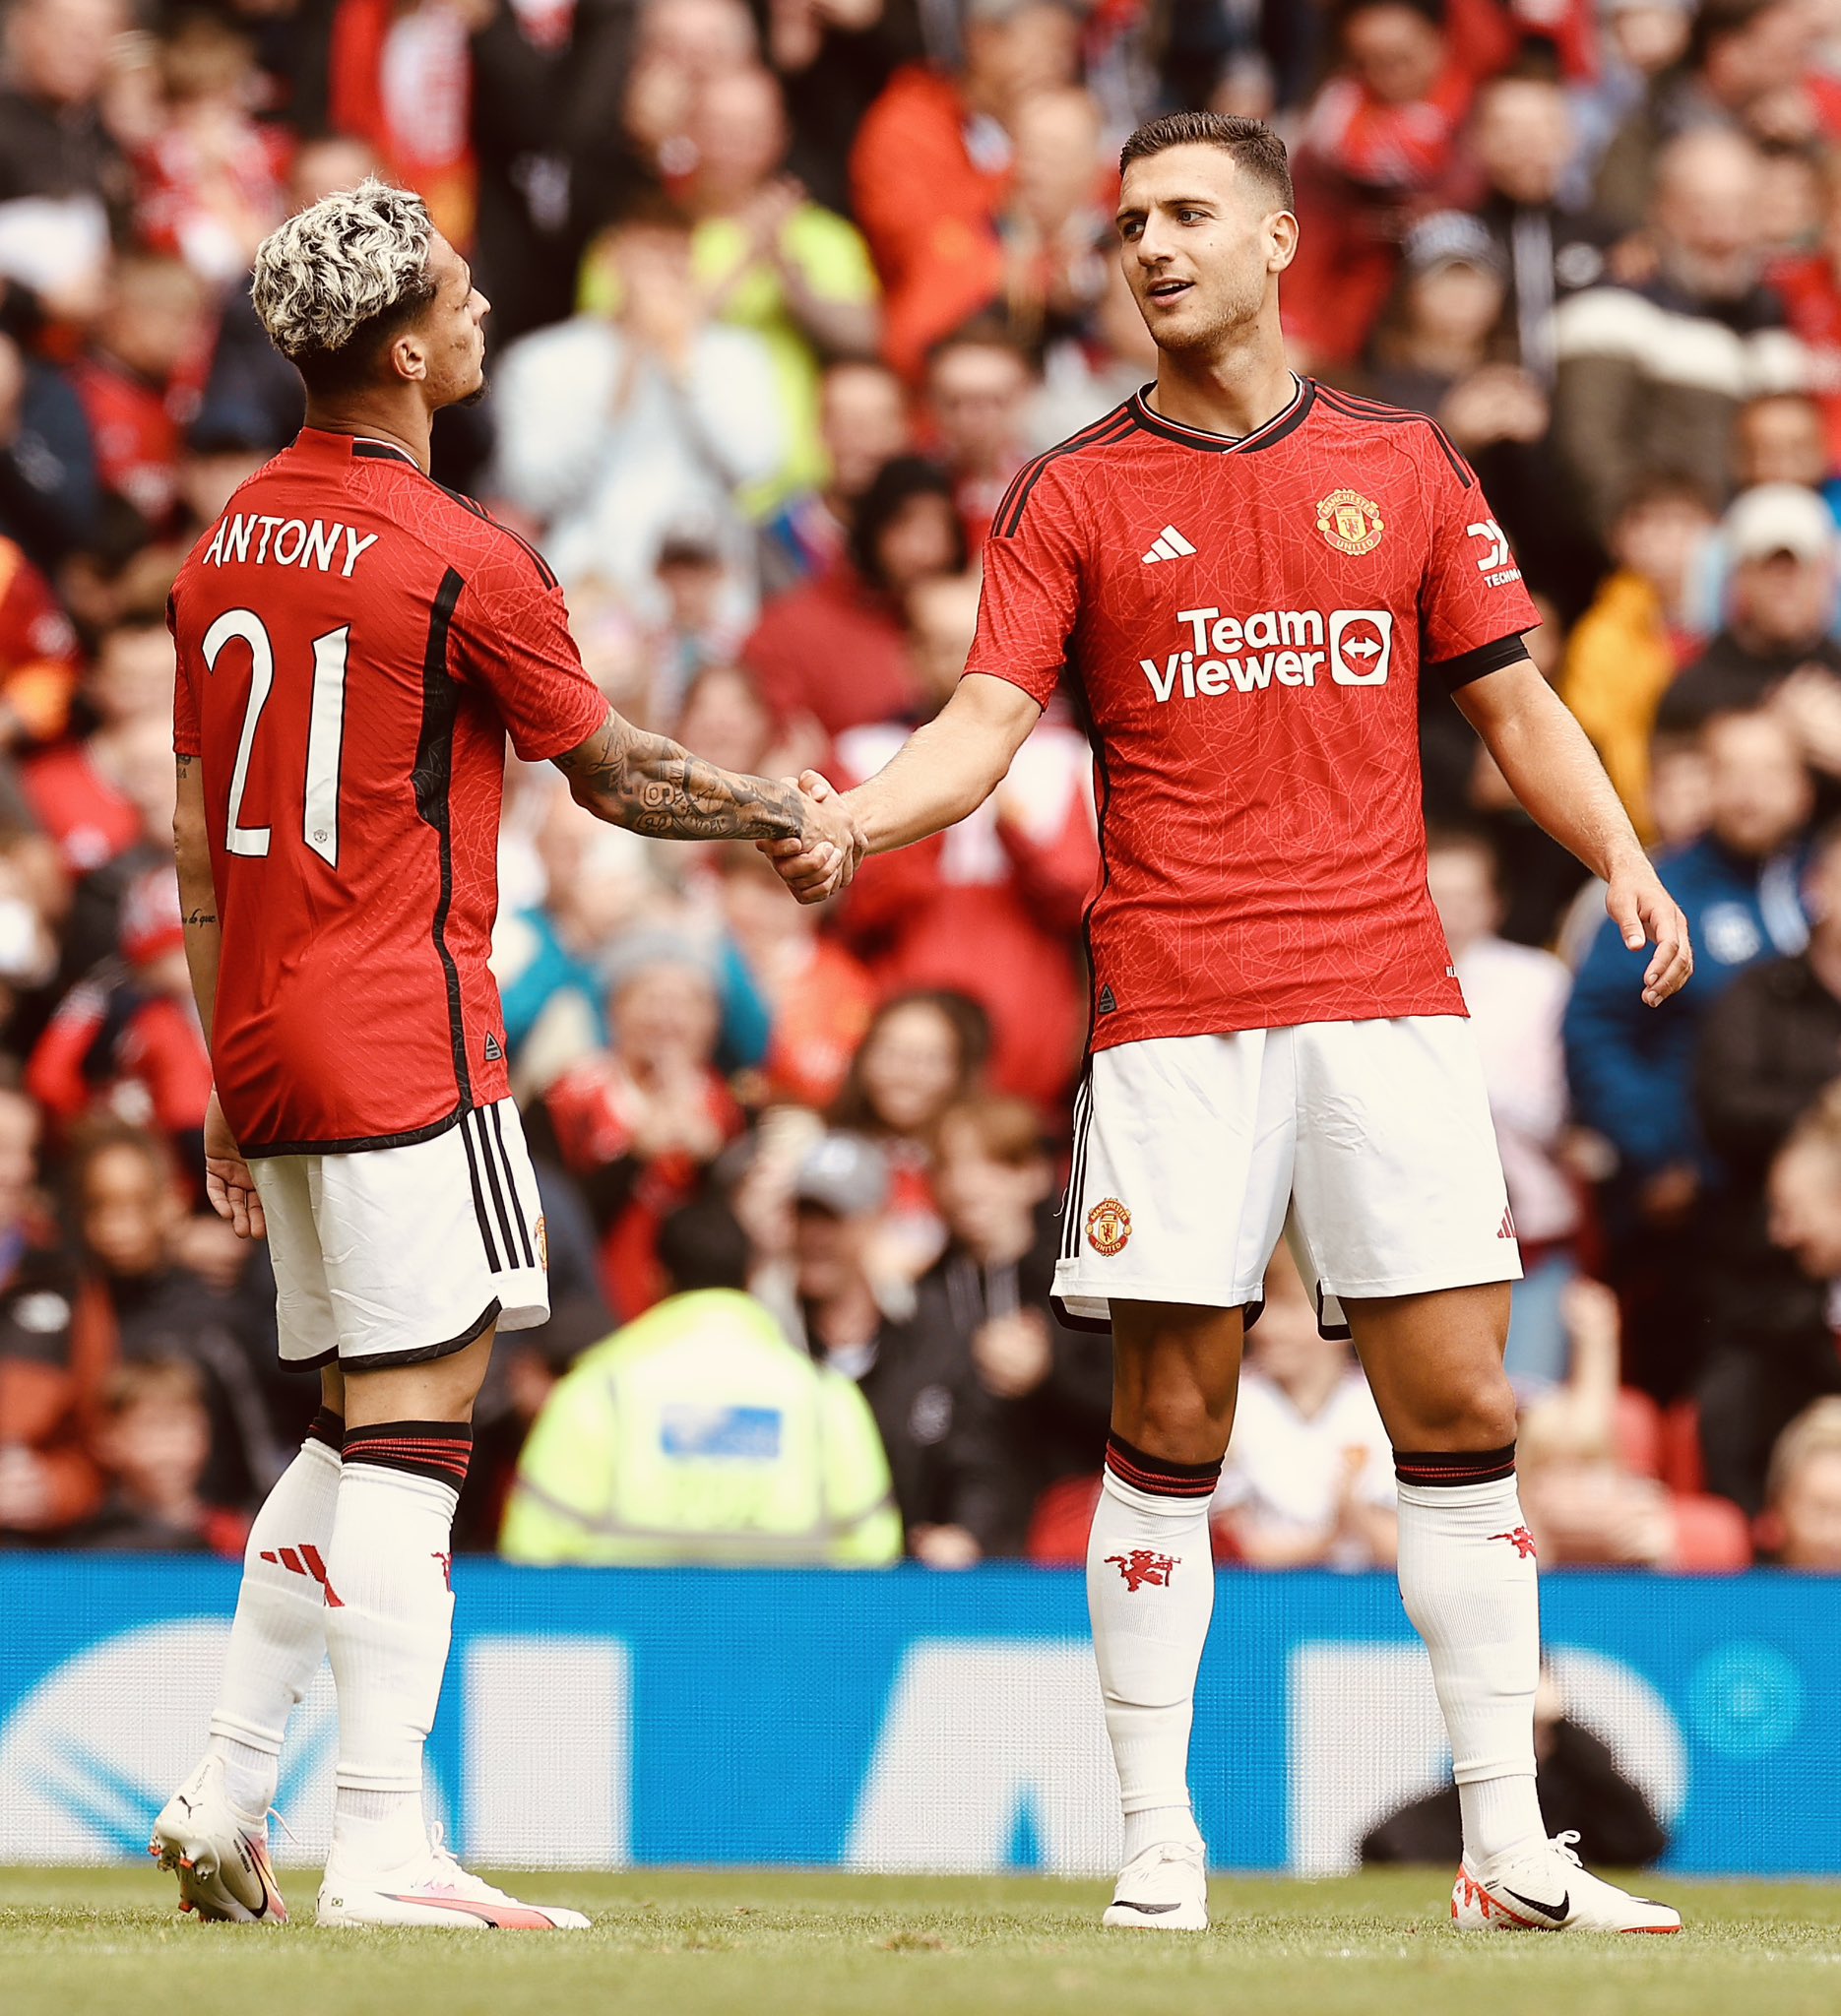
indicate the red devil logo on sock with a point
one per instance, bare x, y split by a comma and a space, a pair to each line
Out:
1522, 1540
1142, 1566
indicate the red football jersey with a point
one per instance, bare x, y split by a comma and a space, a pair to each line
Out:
1247, 619
354, 644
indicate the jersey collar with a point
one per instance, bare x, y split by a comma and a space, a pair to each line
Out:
324, 442
1274, 431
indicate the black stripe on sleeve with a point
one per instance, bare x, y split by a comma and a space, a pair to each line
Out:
433, 778
1479, 663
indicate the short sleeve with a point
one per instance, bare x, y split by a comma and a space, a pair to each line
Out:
1473, 602
512, 625
1032, 585
186, 738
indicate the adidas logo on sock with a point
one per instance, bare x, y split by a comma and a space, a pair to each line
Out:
305, 1561
1169, 544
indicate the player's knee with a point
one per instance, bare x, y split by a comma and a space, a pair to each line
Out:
1177, 1420
1477, 1411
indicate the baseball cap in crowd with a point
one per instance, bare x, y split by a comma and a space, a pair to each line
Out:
844, 1175
1451, 237
1779, 518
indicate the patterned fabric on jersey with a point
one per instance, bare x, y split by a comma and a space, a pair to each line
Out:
354, 645
1249, 619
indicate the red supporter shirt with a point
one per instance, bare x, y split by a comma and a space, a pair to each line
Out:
354, 645
1249, 619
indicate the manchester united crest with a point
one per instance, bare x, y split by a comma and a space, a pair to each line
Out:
1108, 1226
1351, 522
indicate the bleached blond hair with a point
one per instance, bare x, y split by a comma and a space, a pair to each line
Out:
336, 269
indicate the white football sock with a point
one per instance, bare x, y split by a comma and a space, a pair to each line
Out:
389, 1619
1151, 1593
278, 1636
1468, 1581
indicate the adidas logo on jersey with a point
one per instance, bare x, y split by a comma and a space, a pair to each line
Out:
1169, 544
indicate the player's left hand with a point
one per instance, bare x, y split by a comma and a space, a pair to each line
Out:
228, 1181
1647, 914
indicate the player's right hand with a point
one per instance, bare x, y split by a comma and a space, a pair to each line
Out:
826, 856
228, 1181
1644, 912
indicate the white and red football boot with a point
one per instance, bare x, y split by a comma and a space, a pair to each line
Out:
1548, 1890
220, 1855
436, 1891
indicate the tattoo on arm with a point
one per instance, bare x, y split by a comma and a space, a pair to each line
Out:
201, 917
650, 784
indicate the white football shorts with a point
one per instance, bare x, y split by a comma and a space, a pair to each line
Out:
1368, 1144
394, 1256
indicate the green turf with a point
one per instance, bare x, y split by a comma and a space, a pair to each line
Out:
775, 1943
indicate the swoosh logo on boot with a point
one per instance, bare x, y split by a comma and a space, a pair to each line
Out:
1556, 1913
1149, 1910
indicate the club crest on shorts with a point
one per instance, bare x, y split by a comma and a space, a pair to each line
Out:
1351, 522
1108, 1226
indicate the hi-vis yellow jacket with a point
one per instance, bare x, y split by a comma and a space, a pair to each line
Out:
700, 1433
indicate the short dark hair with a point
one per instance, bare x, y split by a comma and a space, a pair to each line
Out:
701, 1245
1253, 144
898, 482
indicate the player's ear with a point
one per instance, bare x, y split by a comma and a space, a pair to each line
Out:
1280, 231
409, 355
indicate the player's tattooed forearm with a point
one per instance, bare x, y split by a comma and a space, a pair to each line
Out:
201, 917
652, 785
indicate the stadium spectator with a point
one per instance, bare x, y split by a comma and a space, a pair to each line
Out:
54, 1354
700, 1433
1775, 641
153, 1440
1309, 1479
1770, 1045
1631, 1071
1778, 438
40, 658
835, 648
1521, 137
951, 1471
616, 426
636, 1124
166, 1285
992, 908
1743, 69
1051, 1386
1628, 646
1810, 284
1801, 1525
817, 997
1058, 221
1622, 405
1380, 139
977, 390
1516, 996
862, 422
65, 186
930, 170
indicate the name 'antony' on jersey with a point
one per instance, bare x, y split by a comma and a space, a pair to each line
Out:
355, 646
1249, 620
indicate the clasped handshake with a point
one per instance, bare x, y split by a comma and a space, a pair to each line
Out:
829, 847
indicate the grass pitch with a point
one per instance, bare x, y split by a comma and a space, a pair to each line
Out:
775, 1943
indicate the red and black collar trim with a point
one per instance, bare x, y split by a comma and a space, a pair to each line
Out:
1274, 431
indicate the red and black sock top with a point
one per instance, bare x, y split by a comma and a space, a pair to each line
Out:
1457, 1466
437, 1450
1160, 1475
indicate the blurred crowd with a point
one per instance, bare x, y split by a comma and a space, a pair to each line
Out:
783, 293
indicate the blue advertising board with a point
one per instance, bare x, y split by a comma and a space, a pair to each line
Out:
911, 1719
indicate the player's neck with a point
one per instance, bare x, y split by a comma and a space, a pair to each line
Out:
403, 424
1232, 391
